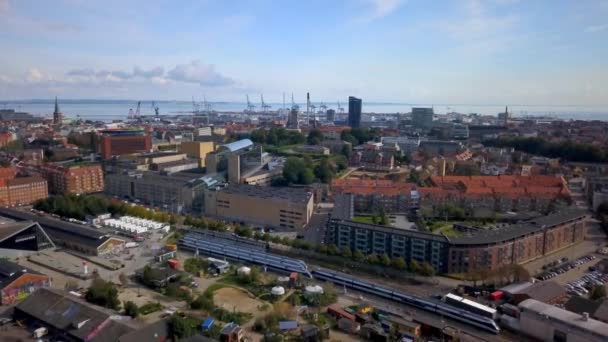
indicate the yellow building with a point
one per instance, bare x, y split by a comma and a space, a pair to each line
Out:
268, 206
197, 149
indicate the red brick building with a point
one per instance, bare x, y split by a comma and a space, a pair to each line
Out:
75, 179
119, 142
516, 244
22, 190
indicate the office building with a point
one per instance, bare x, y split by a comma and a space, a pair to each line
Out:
176, 192
265, 206
330, 115
73, 179
116, 142
422, 118
197, 150
354, 112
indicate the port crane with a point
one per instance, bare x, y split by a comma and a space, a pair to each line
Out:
196, 107
340, 108
133, 115
265, 106
156, 108
250, 106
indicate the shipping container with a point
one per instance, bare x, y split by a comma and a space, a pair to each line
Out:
173, 263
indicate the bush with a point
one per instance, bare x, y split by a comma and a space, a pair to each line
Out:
149, 308
131, 309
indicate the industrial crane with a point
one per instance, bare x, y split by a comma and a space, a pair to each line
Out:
340, 109
294, 106
323, 107
250, 106
265, 106
156, 109
132, 114
207, 106
196, 107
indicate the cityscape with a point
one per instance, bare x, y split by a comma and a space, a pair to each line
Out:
218, 208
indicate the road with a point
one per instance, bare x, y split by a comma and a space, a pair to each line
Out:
315, 231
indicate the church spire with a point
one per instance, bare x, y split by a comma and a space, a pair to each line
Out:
56, 106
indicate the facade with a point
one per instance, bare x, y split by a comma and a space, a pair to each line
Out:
480, 250
119, 142
269, 206
422, 118
375, 194
292, 119
177, 192
394, 242
18, 282
354, 112
518, 243
23, 237
330, 115
407, 145
444, 148
75, 179
22, 191
546, 322
197, 150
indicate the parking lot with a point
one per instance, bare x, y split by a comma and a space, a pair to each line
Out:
561, 266
586, 283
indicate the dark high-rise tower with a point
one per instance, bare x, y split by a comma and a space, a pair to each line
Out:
354, 112
57, 115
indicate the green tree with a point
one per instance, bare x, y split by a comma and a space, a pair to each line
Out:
372, 259
346, 150
426, 270
180, 328
414, 176
414, 266
383, 218
324, 171
314, 137
398, 263
385, 260
131, 309
103, 293
346, 252
332, 249
598, 292
358, 256
306, 177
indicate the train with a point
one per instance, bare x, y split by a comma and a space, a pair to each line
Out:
243, 253
438, 308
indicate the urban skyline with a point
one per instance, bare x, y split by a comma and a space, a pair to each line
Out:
463, 51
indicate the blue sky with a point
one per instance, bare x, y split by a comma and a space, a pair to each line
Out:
417, 51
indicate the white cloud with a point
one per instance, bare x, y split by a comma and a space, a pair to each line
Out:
379, 9
596, 28
34, 75
197, 72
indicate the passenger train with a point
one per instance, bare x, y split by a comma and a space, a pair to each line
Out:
435, 307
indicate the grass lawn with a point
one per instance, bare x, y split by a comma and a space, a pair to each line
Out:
363, 219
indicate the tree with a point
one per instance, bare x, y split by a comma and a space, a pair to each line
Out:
103, 293
306, 177
332, 249
414, 176
180, 328
324, 171
346, 150
131, 309
372, 259
358, 256
314, 137
598, 292
385, 260
414, 266
383, 219
346, 252
398, 263
426, 270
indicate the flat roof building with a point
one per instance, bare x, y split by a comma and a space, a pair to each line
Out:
354, 112
18, 282
73, 179
115, 142
271, 206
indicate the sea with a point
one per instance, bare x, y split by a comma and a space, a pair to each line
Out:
108, 110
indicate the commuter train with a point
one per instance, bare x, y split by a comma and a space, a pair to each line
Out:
243, 253
435, 307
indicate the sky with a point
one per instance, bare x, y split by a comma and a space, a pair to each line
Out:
526, 52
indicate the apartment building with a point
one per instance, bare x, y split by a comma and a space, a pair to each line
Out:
73, 179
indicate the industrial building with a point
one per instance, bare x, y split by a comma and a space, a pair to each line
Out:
70, 317
546, 322
116, 142
18, 282
72, 236
354, 111
267, 206
73, 179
